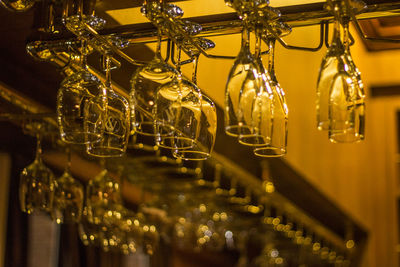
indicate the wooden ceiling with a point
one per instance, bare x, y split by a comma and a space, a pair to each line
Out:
381, 28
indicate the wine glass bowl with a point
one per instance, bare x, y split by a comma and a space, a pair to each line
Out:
144, 86
204, 144
73, 96
36, 187
68, 197
177, 114
109, 115
340, 92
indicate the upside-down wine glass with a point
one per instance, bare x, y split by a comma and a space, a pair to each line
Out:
346, 99
68, 196
278, 143
108, 114
204, 143
258, 109
144, 86
36, 188
177, 113
340, 93
77, 89
242, 84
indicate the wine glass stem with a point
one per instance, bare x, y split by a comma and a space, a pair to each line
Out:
245, 36
83, 54
108, 71
38, 156
159, 37
346, 39
271, 57
195, 64
258, 43
68, 168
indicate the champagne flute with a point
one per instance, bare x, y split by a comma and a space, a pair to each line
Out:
68, 196
36, 188
278, 143
108, 114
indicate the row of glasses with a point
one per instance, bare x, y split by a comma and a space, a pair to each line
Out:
255, 106
340, 91
88, 111
108, 224
166, 105
61, 198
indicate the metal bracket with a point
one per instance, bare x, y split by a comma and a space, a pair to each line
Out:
302, 48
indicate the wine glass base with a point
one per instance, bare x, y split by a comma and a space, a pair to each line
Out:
80, 138
269, 152
175, 143
345, 138
105, 151
191, 155
253, 140
145, 128
236, 130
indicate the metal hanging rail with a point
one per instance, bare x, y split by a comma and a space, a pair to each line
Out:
229, 23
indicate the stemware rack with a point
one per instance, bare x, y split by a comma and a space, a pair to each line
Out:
344, 236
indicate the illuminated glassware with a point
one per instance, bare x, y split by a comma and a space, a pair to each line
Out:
177, 113
108, 114
73, 95
68, 197
340, 92
101, 192
77, 89
204, 144
346, 99
144, 86
258, 109
36, 188
278, 143
241, 89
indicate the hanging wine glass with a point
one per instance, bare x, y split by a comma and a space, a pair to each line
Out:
36, 188
340, 92
144, 86
278, 143
328, 74
76, 89
101, 192
346, 99
258, 109
177, 113
241, 88
72, 97
204, 143
108, 114
68, 197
